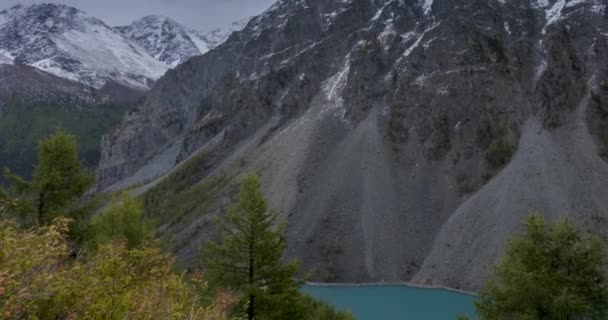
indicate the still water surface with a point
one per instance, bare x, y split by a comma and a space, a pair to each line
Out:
395, 302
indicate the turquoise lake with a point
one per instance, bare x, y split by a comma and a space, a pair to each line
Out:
395, 302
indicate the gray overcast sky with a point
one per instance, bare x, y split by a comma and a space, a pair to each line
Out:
200, 14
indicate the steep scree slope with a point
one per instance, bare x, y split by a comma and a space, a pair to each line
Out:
401, 140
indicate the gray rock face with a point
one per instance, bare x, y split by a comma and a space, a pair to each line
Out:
26, 81
402, 140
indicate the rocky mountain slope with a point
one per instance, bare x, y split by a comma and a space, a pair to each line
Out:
400, 140
171, 42
26, 80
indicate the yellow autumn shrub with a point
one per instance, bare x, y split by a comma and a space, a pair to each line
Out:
40, 279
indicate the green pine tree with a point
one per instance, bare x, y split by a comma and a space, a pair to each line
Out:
59, 178
248, 257
23, 207
58, 182
122, 220
551, 272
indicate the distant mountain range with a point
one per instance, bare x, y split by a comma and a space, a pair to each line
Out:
171, 42
68, 43
61, 68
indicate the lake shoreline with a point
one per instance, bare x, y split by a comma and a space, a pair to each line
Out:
373, 284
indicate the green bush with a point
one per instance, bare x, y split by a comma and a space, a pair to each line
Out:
500, 151
122, 220
40, 280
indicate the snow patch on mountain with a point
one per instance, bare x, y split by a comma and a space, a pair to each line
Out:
5, 60
218, 36
596, 5
333, 89
165, 39
173, 43
427, 5
199, 41
68, 43
553, 14
419, 36
542, 3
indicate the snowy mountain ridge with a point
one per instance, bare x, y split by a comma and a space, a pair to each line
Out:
173, 43
165, 39
71, 44
5, 60
218, 36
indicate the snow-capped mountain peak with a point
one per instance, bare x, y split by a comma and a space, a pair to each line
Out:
165, 39
69, 43
5, 60
218, 36
173, 43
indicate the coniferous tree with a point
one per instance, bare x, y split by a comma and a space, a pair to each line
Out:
122, 220
550, 272
58, 178
57, 189
58, 181
20, 191
248, 257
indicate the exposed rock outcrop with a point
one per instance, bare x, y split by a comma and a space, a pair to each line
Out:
402, 140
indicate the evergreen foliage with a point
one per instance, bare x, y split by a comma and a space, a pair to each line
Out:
20, 190
45, 273
500, 150
247, 260
122, 220
59, 178
551, 272
183, 192
24, 123
5, 203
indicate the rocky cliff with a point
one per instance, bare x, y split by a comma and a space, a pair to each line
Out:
400, 140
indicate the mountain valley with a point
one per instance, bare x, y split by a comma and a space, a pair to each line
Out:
399, 140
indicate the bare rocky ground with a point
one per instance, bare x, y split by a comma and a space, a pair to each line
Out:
398, 142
